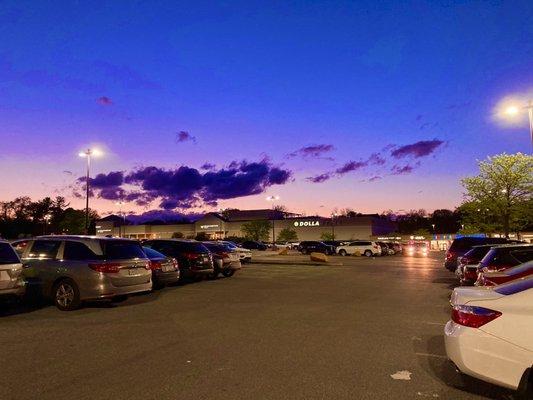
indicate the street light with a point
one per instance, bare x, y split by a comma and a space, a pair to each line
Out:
120, 204
88, 154
273, 199
333, 216
514, 110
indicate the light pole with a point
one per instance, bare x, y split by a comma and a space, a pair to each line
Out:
333, 216
514, 110
273, 199
120, 204
88, 154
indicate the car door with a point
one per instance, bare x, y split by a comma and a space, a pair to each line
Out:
43, 263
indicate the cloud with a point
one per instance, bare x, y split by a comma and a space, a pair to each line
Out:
404, 170
313, 151
419, 149
67, 172
208, 166
184, 136
104, 101
351, 166
375, 178
185, 187
376, 159
320, 178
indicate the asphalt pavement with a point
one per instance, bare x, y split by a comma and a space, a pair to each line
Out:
364, 328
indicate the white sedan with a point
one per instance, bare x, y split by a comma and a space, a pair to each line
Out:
490, 336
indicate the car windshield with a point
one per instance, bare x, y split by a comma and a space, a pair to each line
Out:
122, 249
7, 254
152, 254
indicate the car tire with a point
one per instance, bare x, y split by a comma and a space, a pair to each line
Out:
228, 272
368, 253
66, 295
343, 253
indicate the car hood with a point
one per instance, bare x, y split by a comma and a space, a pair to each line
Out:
463, 295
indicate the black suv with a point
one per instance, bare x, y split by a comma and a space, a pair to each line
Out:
307, 247
461, 246
194, 259
253, 245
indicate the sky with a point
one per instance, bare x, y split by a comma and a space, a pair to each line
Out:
207, 105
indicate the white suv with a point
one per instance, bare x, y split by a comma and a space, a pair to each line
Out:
365, 248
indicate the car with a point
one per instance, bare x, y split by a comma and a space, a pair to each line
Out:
460, 246
165, 270
414, 249
72, 269
362, 247
11, 280
497, 278
311, 246
467, 265
335, 243
386, 249
254, 245
245, 255
487, 337
500, 258
225, 260
194, 259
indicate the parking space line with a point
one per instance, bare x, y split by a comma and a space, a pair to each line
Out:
432, 355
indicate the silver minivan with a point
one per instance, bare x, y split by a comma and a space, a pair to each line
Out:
72, 269
11, 280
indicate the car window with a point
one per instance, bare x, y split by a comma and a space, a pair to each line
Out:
528, 266
516, 286
78, 251
44, 249
7, 254
497, 257
151, 253
20, 246
122, 249
522, 255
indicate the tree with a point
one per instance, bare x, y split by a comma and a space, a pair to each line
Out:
503, 189
201, 236
257, 230
327, 236
287, 235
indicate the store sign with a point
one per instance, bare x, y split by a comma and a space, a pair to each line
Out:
390, 238
103, 230
208, 226
306, 223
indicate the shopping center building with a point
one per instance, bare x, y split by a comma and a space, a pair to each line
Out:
229, 223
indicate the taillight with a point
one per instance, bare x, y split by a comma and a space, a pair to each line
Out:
105, 267
154, 265
190, 256
473, 317
175, 264
449, 255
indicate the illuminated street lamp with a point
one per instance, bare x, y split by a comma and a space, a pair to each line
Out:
273, 199
333, 216
88, 154
514, 110
120, 204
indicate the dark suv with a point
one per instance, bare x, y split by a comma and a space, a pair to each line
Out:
461, 245
307, 247
194, 259
503, 257
254, 245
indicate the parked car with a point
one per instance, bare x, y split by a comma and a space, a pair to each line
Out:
11, 280
416, 249
462, 245
489, 335
165, 270
254, 245
467, 265
335, 243
365, 248
72, 269
311, 246
386, 249
225, 260
194, 259
245, 255
500, 258
497, 278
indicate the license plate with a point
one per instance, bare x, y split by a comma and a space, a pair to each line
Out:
132, 271
167, 268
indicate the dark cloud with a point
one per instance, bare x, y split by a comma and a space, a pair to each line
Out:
163, 215
351, 166
319, 178
405, 169
104, 101
313, 151
184, 136
375, 178
419, 117
186, 187
417, 150
376, 159
208, 167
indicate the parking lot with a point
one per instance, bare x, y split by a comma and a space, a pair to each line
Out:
362, 328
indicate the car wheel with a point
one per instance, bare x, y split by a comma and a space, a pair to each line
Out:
228, 272
343, 253
66, 295
368, 253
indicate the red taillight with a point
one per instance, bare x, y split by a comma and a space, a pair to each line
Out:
223, 254
191, 256
375, 247
449, 255
175, 264
155, 265
105, 267
473, 317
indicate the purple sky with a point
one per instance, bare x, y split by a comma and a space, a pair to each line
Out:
199, 105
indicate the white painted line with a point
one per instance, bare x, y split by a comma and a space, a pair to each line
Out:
431, 355
402, 376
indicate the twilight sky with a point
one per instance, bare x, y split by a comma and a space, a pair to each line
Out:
205, 105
